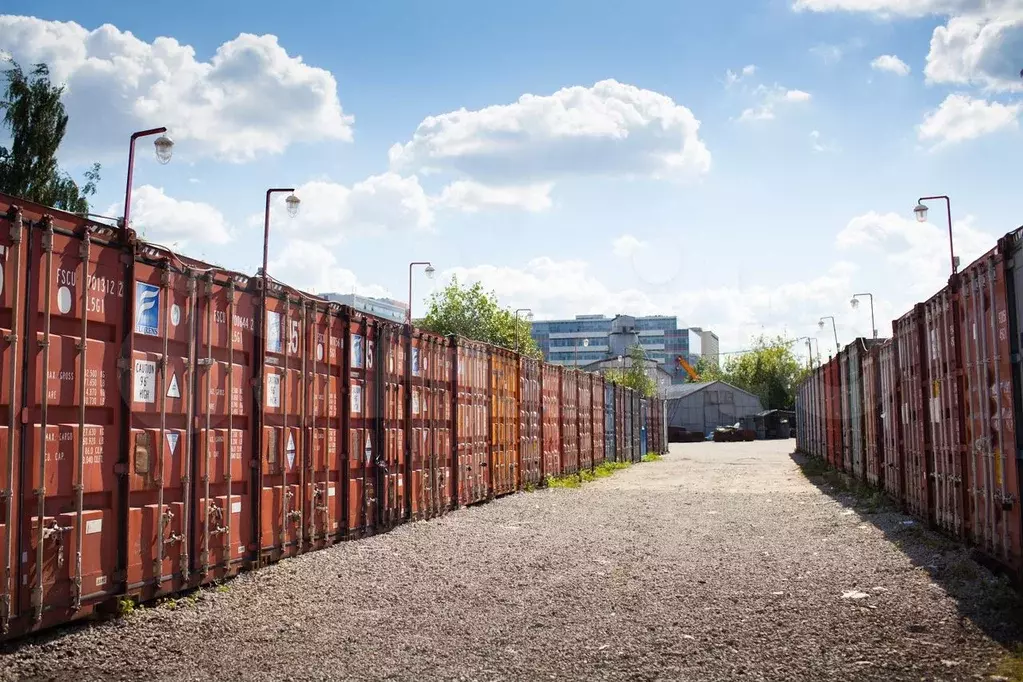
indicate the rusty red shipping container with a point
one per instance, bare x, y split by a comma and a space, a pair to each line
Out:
892, 469
431, 464
584, 412
551, 419
569, 422
472, 415
992, 321
504, 421
946, 453
915, 411
598, 419
873, 440
530, 427
622, 437
845, 461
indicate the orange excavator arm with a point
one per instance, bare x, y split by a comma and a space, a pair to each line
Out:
688, 368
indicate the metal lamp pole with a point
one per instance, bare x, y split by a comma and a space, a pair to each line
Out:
921, 217
429, 273
833, 328
809, 349
854, 302
293, 203
164, 148
529, 317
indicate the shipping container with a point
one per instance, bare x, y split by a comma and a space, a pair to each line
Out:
585, 423
472, 418
915, 396
947, 451
844, 461
892, 467
597, 418
623, 438
569, 422
530, 431
551, 419
504, 421
432, 458
610, 436
992, 322
637, 425
854, 393
364, 385
873, 441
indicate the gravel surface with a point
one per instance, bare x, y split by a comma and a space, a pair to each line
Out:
720, 561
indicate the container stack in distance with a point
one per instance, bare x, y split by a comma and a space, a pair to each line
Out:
934, 415
166, 423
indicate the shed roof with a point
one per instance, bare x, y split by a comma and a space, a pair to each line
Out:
686, 390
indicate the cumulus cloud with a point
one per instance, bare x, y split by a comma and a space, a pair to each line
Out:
891, 64
731, 77
331, 212
250, 98
627, 245
173, 222
770, 98
610, 129
960, 117
310, 267
471, 197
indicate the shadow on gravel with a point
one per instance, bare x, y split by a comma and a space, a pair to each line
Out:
986, 599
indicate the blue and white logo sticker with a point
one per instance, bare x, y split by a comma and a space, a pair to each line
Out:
273, 331
147, 309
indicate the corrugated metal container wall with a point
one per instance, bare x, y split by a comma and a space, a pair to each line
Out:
857, 349
530, 408
626, 430
913, 390
585, 420
622, 437
610, 437
551, 389
637, 426
845, 462
992, 309
13, 224
820, 418
363, 387
598, 419
504, 421
570, 421
891, 421
472, 421
390, 474
644, 408
832, 408
945, 456
873, 441
432, 462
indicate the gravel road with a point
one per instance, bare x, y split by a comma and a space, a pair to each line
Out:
720, 561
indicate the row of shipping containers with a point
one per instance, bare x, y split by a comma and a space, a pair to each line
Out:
933, 415
166, 423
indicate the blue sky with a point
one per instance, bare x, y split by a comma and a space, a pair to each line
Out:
745, 165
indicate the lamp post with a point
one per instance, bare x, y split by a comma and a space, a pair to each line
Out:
855, 303
429, 273
164, 148
921, 217
834, 329
809, 349
529, 318
293, 203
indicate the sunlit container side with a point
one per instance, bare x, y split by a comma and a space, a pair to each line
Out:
323, 427
915, 412
13, 263
831, 446
391, 469
845, 416
610, 436
73, 544
855, 352
570, 421
585, 420
473, 421
504, 420
992, 322
597, 419
892, 469
363, 383
551, 419
530, 431
432, 413
873, 440
946, 454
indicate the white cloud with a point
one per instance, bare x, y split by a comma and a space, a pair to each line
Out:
829, 54
310, 267
891, 64
172, 222
471, 197
979, 49
330, 212
960, 117
610, 129
770, 99
905, 8
627, 246
731, 77
818, 143
250, 98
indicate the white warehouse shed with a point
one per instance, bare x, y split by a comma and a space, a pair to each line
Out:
705, 406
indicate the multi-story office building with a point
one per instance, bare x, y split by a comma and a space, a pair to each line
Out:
584, 339
710, 345
381, 307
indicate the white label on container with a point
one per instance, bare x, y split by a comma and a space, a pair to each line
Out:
935, 410
331, 491
273, 390
236, 507
145, 381
93, 526
172, 388
357, 399
101, 580
241, 549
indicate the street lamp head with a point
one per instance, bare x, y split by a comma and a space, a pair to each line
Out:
529, 316
921, 213
429, 271
820, 323
293, 203
854, 302
164, 148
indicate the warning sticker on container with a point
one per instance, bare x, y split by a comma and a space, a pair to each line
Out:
290, 451
369, 448
94, 526
273, 390
172, 441
145, 381
172, 388
357, 399
101, 580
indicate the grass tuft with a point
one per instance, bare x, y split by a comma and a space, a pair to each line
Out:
652, 457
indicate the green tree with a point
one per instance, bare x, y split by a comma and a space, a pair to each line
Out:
474, 313
769, 370
708, 370
36, 120
635, 376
